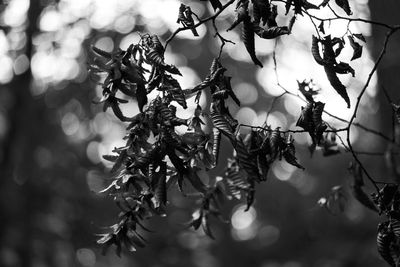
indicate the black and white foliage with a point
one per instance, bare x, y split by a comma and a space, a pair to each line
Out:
157, 157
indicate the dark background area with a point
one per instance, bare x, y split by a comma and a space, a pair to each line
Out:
51, 134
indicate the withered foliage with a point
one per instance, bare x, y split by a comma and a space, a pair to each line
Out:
157, 156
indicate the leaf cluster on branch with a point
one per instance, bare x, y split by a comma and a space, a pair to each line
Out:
156, 156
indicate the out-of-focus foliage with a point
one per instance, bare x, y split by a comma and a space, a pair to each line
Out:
52, 139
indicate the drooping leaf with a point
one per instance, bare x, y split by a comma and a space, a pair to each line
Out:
248, 39
241, 14
359, 36
315, 51
185, 17
220, 122
305, 120
343, 68
357, 48
344, 4
250, 195
235, 179
289, 153
307, 5
319, 124
216, 144
271, 32
275, 142
337, 84
384, 240
245, 159
159, 186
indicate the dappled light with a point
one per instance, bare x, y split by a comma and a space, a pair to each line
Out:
199, 133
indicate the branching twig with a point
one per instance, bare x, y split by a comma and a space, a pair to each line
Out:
382, 53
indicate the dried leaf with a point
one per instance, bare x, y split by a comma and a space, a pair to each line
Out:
357, 48
344, 4
315, 51
337, 84
384, 240
248, 39
271, 32
360, 37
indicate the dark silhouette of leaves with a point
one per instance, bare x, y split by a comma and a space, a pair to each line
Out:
248, 39
344, 4
357, 48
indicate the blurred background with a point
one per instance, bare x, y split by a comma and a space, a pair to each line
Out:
52, 137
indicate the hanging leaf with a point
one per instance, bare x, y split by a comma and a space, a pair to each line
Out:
275, 142
357, 48
241, 14
250, 194
305, 120
245, 159
307, 5
235, 179
220, 122
263, 167
261, 11
159, 186
360, 37
248, 39
343, 68
337, 84
395, 226
216, 145
271, 32
319, 125
384, 240
344, 4
289, 154
315, 51
185, 17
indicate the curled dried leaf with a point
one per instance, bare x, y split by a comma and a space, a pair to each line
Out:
357, 48
337, 84
271, 32
344, 4
248, 39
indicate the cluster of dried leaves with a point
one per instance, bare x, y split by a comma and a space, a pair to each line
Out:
157, 156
